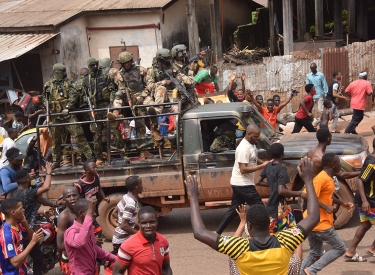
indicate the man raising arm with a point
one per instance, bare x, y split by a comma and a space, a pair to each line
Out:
249, 254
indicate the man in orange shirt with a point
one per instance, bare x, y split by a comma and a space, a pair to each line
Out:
324, 231
270, 112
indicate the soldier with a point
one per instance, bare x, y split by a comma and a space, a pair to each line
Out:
105, 63
162, 86
180, 60
133, 78
223, 142
100, 87
62, 96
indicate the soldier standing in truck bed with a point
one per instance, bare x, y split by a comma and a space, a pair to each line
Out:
159, 82
180, 60
100, 87
133, 78
62, 96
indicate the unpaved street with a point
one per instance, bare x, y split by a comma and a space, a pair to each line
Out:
189, 256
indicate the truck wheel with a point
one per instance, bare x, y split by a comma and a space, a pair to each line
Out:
105, 219
343, 215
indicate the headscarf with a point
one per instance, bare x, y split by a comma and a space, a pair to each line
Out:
45, 141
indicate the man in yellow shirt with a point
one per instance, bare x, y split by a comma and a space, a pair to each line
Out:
324, 231
262, 253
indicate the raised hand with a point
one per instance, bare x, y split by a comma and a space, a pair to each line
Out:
192, 186
241, 211
243, 76
306, 170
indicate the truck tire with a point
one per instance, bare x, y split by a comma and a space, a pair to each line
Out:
105, 219
343, 215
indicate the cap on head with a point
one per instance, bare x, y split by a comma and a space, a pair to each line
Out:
362, 74
18, 114
91, 60
177, 48
14, 153
58, 67
163, 54
124, 57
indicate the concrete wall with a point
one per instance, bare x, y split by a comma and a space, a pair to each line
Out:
74, 48
47, 58
146, 39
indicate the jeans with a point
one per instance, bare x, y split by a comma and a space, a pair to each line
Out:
241, 194
316, 260
37, 256
335, 111
305, 122
356, 119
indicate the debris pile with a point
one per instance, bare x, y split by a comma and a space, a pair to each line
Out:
246, 56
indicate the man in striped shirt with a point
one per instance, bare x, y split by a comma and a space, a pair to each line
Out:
127, 210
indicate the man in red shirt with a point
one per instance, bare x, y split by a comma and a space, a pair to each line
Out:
358, 90
146, 252
304, 116
270, 112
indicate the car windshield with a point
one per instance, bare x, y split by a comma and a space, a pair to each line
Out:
267, 132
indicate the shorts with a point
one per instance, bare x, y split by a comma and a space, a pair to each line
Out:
369, 216
284, 220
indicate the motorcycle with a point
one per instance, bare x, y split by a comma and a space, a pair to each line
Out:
48, 245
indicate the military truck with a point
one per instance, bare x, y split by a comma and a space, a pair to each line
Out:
163, 176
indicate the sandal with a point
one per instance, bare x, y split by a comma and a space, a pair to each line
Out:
336, 132
356, 258
370, 253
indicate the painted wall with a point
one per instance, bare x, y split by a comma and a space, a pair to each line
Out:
6, 81
47, 58
74, 48
146, 39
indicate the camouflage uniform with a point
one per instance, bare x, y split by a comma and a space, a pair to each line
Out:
221, 143
63, 95
101, 89
155, 82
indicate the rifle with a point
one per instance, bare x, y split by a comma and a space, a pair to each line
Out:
180, 87
218, 131
129, 99
91, 107
138, 61
195, 58
48, 118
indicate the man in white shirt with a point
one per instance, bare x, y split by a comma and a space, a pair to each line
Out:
242, 180
7, 144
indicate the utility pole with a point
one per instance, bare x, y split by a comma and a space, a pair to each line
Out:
273, 39
301, 19
287, 26
319, 19
192, 27
337, 20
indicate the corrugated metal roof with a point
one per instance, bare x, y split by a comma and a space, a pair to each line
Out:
26, 13
261, 2
14, 45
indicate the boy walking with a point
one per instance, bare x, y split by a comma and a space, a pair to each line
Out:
304, 116
326, 114
127, 210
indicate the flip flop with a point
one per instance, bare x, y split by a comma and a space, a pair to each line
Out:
370, 253
355, 259
335, 132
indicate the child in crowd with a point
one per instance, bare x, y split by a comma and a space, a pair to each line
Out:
326, 115
164, 121
126, 212
233, 94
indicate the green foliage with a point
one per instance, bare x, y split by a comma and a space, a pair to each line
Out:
329, 26
312, 30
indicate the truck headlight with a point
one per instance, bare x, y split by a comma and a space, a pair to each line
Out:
355, 160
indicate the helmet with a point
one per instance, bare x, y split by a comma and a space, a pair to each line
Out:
119, 94
91, 60
58, 67
177, 48
105, 62
124, 57
163, 54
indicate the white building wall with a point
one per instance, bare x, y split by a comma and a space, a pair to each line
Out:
148, 40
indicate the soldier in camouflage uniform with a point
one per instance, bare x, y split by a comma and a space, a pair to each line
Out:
100, 87
62, 96
180, 60
223, 142
159, 83
133, 78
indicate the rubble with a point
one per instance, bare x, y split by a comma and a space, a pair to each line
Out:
246, 56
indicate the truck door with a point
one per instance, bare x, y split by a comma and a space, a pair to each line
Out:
215, 168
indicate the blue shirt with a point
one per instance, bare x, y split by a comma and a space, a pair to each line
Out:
11, 245
319, 82
7, 179
163, 129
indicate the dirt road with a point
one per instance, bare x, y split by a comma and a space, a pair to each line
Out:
189, 256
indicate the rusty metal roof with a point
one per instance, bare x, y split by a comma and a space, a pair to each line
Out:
29, 13
14, 45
